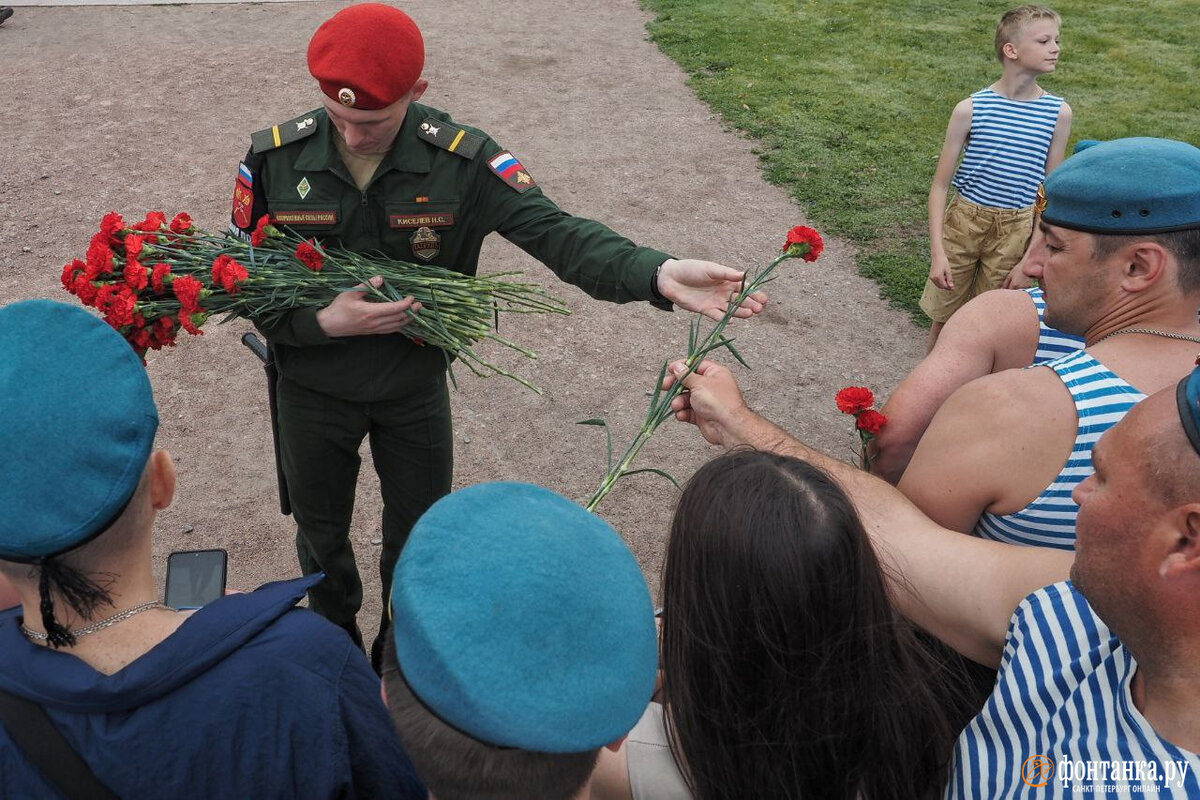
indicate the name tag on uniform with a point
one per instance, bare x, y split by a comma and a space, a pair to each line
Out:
421, 220
312, 218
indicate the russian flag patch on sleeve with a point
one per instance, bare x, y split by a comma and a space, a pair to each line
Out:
511, 171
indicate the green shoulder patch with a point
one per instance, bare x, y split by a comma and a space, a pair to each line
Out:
450, 137
284, 133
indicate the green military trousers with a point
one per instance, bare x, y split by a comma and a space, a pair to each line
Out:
319, 437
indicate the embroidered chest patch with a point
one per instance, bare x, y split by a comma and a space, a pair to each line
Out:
511, 171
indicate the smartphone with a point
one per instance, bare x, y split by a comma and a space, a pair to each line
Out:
195, 578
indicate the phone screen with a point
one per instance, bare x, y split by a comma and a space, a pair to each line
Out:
195, 578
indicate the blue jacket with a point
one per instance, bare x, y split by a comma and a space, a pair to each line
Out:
249, 698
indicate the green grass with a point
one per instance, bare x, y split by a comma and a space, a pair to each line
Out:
849, 100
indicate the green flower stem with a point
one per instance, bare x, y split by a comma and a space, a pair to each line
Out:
698, 350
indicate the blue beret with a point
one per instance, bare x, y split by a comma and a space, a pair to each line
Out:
1138, 185
1187, 399
524, 620
78, 425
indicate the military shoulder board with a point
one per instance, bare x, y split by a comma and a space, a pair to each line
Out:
511, 171
284, 133
450, 137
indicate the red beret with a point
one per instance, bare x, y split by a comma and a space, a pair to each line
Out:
367, 56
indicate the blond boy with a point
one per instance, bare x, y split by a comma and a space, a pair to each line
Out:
1010, 135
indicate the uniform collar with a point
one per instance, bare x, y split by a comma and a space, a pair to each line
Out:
408, 154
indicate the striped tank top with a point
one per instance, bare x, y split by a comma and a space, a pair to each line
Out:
1063, 694
1101, 399
1052, 343
1005, 157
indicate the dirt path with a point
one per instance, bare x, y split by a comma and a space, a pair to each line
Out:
137, 108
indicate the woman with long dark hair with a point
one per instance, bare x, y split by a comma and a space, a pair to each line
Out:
786, 671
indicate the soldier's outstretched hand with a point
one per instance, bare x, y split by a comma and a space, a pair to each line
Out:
352, 314
706, 288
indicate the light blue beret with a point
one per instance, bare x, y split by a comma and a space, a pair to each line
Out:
77, 422
1187, 400
1138, 185
524, 621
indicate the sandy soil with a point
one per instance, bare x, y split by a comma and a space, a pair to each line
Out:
138, 108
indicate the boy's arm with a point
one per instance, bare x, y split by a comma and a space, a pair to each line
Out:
1058, 143
1017, 279
956, 138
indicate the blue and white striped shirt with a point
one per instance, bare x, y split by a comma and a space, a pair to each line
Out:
1052, 343
1063, 693
1101, 399
1005, 156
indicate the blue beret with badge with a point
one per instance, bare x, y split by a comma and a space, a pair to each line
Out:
78, 425
1126, 186
524, 621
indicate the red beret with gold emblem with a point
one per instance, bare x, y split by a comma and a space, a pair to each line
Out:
367, 56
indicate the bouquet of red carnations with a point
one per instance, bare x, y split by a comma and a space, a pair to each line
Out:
152, 278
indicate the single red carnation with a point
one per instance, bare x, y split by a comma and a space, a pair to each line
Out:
164, 333
155, 220
118, 307
188, 289
69, 272
313, 258
142, 339
870, 421
111, 227
99, 257
854, 399
801, 236
182, 223
84, 289
260, 231
158, 275
233, 274
136, 276
133, 246
188, 323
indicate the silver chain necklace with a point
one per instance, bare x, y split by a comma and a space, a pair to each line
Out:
102, 624
1152, 332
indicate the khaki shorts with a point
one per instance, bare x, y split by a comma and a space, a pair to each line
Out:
983, 244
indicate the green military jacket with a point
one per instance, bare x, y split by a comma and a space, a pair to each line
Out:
439, 191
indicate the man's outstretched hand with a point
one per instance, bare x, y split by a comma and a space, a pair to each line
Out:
706, 288
713, 402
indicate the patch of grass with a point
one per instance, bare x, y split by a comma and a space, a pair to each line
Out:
850, 98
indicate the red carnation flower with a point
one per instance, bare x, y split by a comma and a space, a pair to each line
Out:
260, 231
188, 323
133, 246
136, 276
155, 220
84, 289
870, 421
158, 275
854, 399
228, 273
164, 333
118, 307
99, 257
69, 272
110, 228
310, 256
182, 223
188, 289
808, 243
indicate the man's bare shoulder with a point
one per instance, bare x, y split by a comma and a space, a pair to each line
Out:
1012, 398
1002, 323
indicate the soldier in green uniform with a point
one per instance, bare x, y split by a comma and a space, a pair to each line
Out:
374, 170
